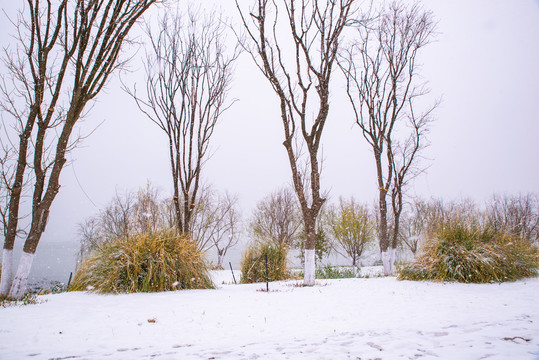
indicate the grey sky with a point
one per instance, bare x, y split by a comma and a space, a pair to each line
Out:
483, 65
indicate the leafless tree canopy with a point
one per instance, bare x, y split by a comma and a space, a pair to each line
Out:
422, 218
66, 52
295, 44
188, 73
415, 223
217, 223
126, 215
381, 72
277, 218
517, 214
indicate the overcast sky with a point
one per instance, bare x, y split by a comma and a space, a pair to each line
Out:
483, 65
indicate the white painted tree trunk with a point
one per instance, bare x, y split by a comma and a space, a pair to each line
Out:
21, 277
7, 272
388, 261
392, 259
220, 259
310, 267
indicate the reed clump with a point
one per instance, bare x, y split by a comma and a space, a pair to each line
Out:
147, 262
253, 263
470, 252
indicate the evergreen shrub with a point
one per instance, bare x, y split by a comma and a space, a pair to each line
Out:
469, 252
148, 262
335, 272
253, 263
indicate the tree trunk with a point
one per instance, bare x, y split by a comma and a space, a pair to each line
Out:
386, 262
90, 73
392, 258
187, 212
382, 205
14, 203
384, 239
309, 267
7, 272
21, 278
310, 261
178, 213
220, 258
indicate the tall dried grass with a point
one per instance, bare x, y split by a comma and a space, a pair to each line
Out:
149, 262
470, 252
253, 263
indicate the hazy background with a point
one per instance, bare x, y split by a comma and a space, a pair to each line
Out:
483, 65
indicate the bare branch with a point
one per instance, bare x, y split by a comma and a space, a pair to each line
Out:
301, 81
381, 76
188, 74
277, 218
76, 42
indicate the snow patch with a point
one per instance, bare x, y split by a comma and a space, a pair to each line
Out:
338, 319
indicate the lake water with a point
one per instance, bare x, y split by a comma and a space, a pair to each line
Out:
54, 262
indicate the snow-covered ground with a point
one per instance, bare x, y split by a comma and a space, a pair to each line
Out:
376, 318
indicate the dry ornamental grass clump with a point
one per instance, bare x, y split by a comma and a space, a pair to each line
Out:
149, 262
253, 263
468, 252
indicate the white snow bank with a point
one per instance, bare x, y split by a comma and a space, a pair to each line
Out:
336, 319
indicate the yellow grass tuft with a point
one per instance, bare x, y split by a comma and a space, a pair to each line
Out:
253, 263
468, 252
149, 262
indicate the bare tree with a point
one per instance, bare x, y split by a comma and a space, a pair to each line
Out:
442, 212
295, 44
133, 213
64, 56
216, 222
225, 226
420, 221
277, 218
188, 74
149, 212
381, 72
517, 214
424, 218
126, 215
201, 223
90, 237
351, 228
414, 224
117, 219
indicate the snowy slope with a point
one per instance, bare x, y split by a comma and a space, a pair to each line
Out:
378, 318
